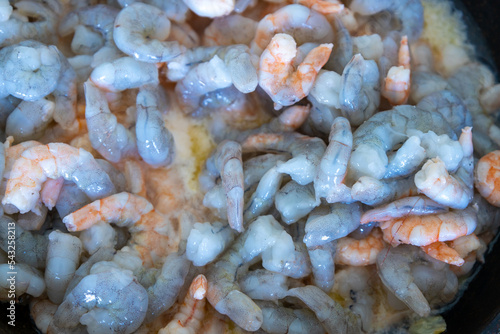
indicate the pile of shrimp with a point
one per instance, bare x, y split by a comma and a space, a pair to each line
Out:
273, 166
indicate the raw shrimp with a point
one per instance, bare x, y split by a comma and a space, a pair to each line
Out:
226, 162
105, 302
154, 142
327, 223
424, 230
359, 96
256, 167
54, 160
190, 316
31, 248
5, 10
263, 197
29, 119
281, 320
332, 316
332, 169
71, 198
107, 136
206, 241
379, 134
26, 280
306, 152
229, 30
342, 49
29, 70
425, 83
63, 256
371, 191
208, 8
42, 311
409, 12
323, 265
140, 31
65, 94
295, 201
486, 177
305, 26
412, 205
454, 191
361, 252
124, 73
396, 88
100, 235
323, 6
263, 284
41, 25
278, 76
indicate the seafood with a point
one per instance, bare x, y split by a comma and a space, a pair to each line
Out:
323, 266
285, 84
263, 284
29, 120
206, 241
486, 177
27, 280
397, 82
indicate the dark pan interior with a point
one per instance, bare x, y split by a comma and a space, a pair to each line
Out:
478, 310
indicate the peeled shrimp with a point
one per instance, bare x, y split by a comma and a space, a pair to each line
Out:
396, 88
486, 176
371, 191
361, 252
5, 10
209, 8
277, 75
263, 284
26, 279
294, 201
229, 30
42, 311
424, 230
29, 119
332, 169
323, 265
140, 31
442, 252
206, 241
53, 161
190, 316
263, 197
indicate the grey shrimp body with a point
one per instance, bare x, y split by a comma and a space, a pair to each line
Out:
294, 201
27, 280
323, 265
206, 241
328, 223
306, 152
29, 70
65, 94
155, 143
140, 31
360, 93
29, 119
107, 136
263, 284
370, 191
226, 162
256, 167
263, 197
332, 169
343, 47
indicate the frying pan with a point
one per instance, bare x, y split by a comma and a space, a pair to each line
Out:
478, 309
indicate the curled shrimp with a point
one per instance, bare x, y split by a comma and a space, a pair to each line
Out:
396, 88
353, 252
442, 252
278, 76
323, 6
29, 119
26, 280
229, 30
54, 160
190, 316
209, 8
486, 177
424, 230
305, 26
323, 265
140, 31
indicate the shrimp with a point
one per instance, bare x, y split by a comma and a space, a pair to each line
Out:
342, 49
442, 252
306, 152
424, 230
332, 316
155, 143
303, 24
425, 83
226, 162
397, 82
280, 319
106, 301
54, 160
324, 7
65, 94
489, 98
124, 73
108, 137
42, 311
63, 256
327, 223
294, 201
5, 10
409, 12
393, 266
263, 197
380, 134
29, 70
332, 169
140, 31
414, 205
206, 241
278, 76
98, 236
256, 167
323, 265
31, 248
229, 30
71, 198
41, 25
263, 284
359, 96
486, 176
362, 252
207, 8
223, 291
29, 119
190, 316
454, 191
24, 279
